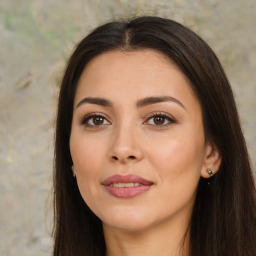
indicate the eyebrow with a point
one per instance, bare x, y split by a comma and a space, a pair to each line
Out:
153, 100
140, 103
97, 101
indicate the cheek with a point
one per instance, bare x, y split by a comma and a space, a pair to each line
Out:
181, 157
87, 157
178, 165
85, 152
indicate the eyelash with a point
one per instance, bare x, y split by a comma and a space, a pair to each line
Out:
170, 120
166, 117
87, 118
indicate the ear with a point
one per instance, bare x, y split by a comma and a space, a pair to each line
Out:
212, 160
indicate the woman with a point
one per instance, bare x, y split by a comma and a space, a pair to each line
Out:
149, 155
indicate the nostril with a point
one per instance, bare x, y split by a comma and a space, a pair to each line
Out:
123, 159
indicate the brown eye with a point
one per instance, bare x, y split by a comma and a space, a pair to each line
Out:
98, 120
159, 120
94, 120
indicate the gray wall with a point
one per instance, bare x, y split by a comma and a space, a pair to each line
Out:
36, 38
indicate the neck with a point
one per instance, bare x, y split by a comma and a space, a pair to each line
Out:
161, 240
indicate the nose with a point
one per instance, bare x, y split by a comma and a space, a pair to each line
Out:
126, 146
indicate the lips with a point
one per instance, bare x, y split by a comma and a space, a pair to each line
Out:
126, 186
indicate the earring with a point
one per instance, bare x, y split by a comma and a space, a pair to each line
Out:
74, 173
209, 171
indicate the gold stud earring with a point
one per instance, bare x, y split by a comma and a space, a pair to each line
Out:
209, 171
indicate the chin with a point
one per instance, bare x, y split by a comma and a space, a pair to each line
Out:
129, 222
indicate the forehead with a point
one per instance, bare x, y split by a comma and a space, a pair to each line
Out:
117, 62
132, 74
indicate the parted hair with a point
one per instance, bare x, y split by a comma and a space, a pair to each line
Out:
223, 221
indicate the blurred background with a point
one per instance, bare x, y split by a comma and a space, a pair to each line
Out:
36, 38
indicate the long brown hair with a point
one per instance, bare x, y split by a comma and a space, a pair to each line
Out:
223, 221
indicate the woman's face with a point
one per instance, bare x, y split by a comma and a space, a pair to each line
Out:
137, 140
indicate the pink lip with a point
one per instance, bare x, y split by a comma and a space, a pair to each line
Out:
126, 192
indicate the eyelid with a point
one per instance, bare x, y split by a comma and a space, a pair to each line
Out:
170, 118
91, 115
